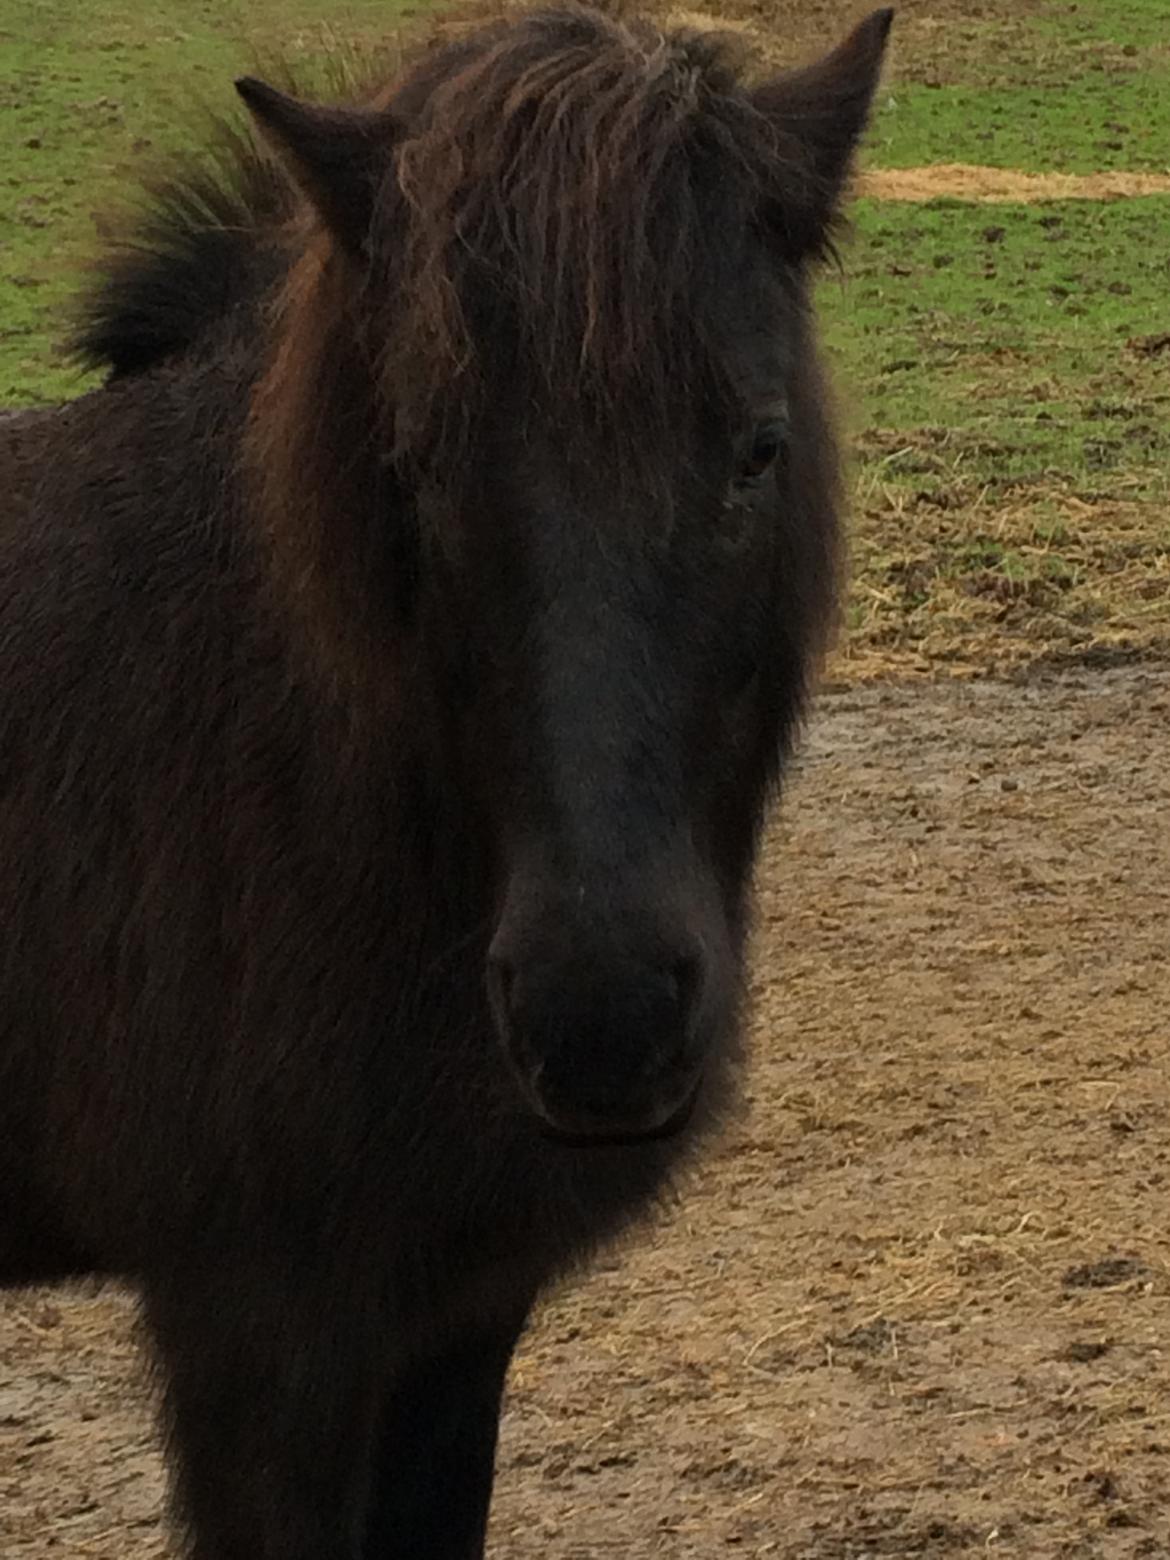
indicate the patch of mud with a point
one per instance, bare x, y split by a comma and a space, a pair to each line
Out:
917, 1303
972, 182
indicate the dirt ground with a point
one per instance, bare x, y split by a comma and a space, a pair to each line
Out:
918, 1303
933, 40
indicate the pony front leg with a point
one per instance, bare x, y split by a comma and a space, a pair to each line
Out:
435, 1450
269, 1412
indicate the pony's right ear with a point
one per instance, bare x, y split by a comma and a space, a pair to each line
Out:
338, 156
823, 110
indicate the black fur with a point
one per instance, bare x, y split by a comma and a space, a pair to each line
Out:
207, 245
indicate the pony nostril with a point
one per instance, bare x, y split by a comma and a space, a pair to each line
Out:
501, 985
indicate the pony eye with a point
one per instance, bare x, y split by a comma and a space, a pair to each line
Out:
768, 441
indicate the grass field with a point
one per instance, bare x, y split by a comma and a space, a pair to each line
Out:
1006, 367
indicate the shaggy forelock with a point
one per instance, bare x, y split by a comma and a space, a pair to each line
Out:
570, 197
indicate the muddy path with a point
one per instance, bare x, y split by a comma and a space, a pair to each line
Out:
919, 1301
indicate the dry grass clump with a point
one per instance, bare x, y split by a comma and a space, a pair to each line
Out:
958, 577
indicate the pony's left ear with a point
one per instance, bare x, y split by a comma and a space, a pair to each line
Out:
338, 156
823, 109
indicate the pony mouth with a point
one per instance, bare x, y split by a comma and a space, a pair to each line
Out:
602, 1136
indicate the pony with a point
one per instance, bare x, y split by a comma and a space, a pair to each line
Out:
398, 653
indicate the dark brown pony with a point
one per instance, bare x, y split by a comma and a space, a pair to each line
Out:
397, 655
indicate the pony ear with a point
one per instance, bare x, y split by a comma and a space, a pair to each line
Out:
824, 108
336, 155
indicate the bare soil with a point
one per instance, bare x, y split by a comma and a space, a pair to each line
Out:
918, 1302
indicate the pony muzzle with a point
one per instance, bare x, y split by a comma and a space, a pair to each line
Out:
602, 1048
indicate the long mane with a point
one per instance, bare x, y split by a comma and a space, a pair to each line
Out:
202, 246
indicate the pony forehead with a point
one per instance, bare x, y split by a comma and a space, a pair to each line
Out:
595, 102
574, 199
560, 42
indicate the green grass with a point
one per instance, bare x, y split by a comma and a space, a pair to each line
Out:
1099, 122
1007, 373
1071, 87
1020, 325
